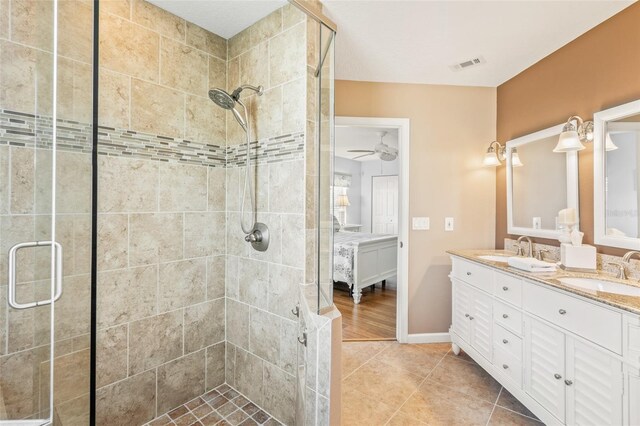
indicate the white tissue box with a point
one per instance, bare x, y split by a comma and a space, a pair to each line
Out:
578, 257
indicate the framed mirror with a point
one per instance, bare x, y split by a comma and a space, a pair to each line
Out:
615, 176
540, 183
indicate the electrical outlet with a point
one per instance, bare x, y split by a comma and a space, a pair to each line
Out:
420, 224
537, 222
448, 224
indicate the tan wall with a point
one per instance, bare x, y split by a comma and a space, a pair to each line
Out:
596, 71
450, 127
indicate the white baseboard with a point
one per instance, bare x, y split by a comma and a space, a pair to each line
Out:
429, 338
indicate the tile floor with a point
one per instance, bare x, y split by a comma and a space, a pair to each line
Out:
385, 383
222, 406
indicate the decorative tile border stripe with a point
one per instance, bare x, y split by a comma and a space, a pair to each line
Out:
34, 131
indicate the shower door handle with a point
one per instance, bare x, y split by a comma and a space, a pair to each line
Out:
57, 249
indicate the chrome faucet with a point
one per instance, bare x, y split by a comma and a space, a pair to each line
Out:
628, 255
520, 251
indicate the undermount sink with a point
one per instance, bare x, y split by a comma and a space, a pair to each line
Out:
494, 258
594, 285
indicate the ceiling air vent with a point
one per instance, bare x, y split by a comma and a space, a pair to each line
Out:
468, 64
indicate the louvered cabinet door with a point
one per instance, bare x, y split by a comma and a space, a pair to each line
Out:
544, 366
481, 323
461, 310
632, 396
594, 385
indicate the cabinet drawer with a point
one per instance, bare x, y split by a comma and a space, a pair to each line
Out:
508, 288
599, 325
507, 341
508, 317
631, 339
474, 274
508, 365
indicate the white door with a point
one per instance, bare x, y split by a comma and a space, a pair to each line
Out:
384, 205
461, 310
593, 384
544, 366
481, 323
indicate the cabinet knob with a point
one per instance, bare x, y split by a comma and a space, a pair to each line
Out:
466, 315
505, 341
468, 273
557, 376
505, 316
505, 366
505, 288
562, 311
471, 318
568, 382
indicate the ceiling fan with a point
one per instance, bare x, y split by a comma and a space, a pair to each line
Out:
384, 151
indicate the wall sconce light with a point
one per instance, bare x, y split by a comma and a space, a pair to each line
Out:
574, 133
608, 144
495, 155
515, 158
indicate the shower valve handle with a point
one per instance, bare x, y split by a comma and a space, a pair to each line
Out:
254, 237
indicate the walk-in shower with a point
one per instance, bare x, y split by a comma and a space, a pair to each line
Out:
257, 233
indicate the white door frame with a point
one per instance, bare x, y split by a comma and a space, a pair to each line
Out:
402, 125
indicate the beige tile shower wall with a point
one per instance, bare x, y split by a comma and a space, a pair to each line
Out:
161, 226
26, 86
262, 287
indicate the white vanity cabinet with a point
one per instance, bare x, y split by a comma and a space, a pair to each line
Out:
570, 360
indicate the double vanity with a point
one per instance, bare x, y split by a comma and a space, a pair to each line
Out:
566, 345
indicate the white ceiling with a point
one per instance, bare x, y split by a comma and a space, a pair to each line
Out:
225, 18
351, 137
417, 41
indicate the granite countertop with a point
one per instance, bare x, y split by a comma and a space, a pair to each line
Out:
627, 303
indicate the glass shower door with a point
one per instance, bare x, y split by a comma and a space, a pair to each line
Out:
46, 55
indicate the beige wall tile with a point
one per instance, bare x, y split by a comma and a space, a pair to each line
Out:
283, 289
20, 90
180, 381
231, 277
204, 234
128, 48
65, 88
286, 183
17, 229
167, 24
156, 109
288, 345
23, 170
73, 310
230, 364
239, 43
181, 284
287, 55
115, 95
113, 241
266, 28
154, 341
155, 238
291, 15
264, 335
20, 374
121, 8
82, 92
111, 363
130, 401
206, 41
293, 239
82, 243
183, 67
32, 23
293, 106
126, 295
5, 189
204, 325
215, 365
233, 74
140, 177
73, 182
182, 188
238, 324
253, 282
253, 66
216, 189
70, 375
216, 274
248, 375
279, 393
205, 121
218, 73
267, 109
5, 18
75, 30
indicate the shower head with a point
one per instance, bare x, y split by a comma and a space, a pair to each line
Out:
228, 101
222, 98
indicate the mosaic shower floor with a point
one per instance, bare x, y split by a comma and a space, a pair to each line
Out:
221, 406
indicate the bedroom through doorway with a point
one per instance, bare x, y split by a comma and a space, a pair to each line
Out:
367, 195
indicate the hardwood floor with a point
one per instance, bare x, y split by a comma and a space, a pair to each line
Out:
373, 319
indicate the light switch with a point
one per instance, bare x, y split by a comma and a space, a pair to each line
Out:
537, 222
420, 223
448, 224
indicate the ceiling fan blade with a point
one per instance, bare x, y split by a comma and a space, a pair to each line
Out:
361, 150
365, 155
